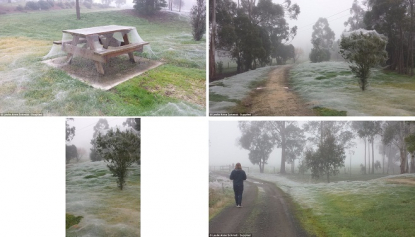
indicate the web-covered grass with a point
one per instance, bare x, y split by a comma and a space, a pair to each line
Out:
332, 85
228, 92
376, 207
92, 192
220, 193
27, 85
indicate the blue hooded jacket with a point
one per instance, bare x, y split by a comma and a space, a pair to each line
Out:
238, 177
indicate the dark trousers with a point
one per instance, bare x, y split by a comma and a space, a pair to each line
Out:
238, 189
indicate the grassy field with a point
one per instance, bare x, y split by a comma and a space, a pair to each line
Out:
368, 205
27, 85
94, 204
331, 87
220, 194
363, 212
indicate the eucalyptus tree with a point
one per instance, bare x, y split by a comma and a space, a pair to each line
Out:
264, 136
327, 159
252, 33
198, 19
410, 143
394, 133
99, 127
318, 130
257, 139
356, 20
395, 20
368, 130
322, 39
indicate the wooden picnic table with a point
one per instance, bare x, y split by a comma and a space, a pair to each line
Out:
99, 44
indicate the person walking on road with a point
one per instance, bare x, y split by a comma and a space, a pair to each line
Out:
238, 176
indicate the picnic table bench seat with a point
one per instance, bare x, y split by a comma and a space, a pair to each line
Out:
116, 51
60, 42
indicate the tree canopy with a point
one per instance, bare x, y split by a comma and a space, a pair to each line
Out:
322, 39
149, 7
120, 149
363, 50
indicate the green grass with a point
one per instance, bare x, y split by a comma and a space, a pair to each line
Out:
332, 85
72, 220
321, 111
337, 178
218, 98
383, 214
26, 38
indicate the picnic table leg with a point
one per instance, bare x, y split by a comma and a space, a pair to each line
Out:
75, 41
90, 42
99, 67
126, 41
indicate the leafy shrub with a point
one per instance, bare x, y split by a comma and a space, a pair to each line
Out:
319, 55
59, 4
44, 5
219, 67
19, 8
87, 5
68, 5
51, 3
32, 5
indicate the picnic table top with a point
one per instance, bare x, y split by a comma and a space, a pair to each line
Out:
98, 30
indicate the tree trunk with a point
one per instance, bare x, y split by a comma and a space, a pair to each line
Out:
365, 156
383, 160
373, 156
328, 175
389, 158
368, 156
412, 163
78, 11
212, 64
412, 40
282, 170
292, 167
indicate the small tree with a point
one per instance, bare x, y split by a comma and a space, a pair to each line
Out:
149, 7
120, 149
71, 152
364, 50
327, 160
198, 19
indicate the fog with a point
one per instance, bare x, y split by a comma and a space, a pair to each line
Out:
224, 149
84, 129
336, 12
188, 4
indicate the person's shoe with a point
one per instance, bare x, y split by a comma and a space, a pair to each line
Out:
238, 206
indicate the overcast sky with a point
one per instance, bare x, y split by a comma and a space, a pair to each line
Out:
223, 148
84, 129
336, 12
186, 7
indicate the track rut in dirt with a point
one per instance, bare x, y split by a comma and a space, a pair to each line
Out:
264, 213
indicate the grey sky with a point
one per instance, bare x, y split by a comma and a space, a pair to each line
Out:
186, 7
84, 130
311, 11
223, 148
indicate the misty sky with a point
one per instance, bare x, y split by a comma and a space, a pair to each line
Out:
186, 7
311, 11
85, 129
223, 148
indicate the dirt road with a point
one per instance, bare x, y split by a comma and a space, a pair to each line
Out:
264, 213
276, 98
